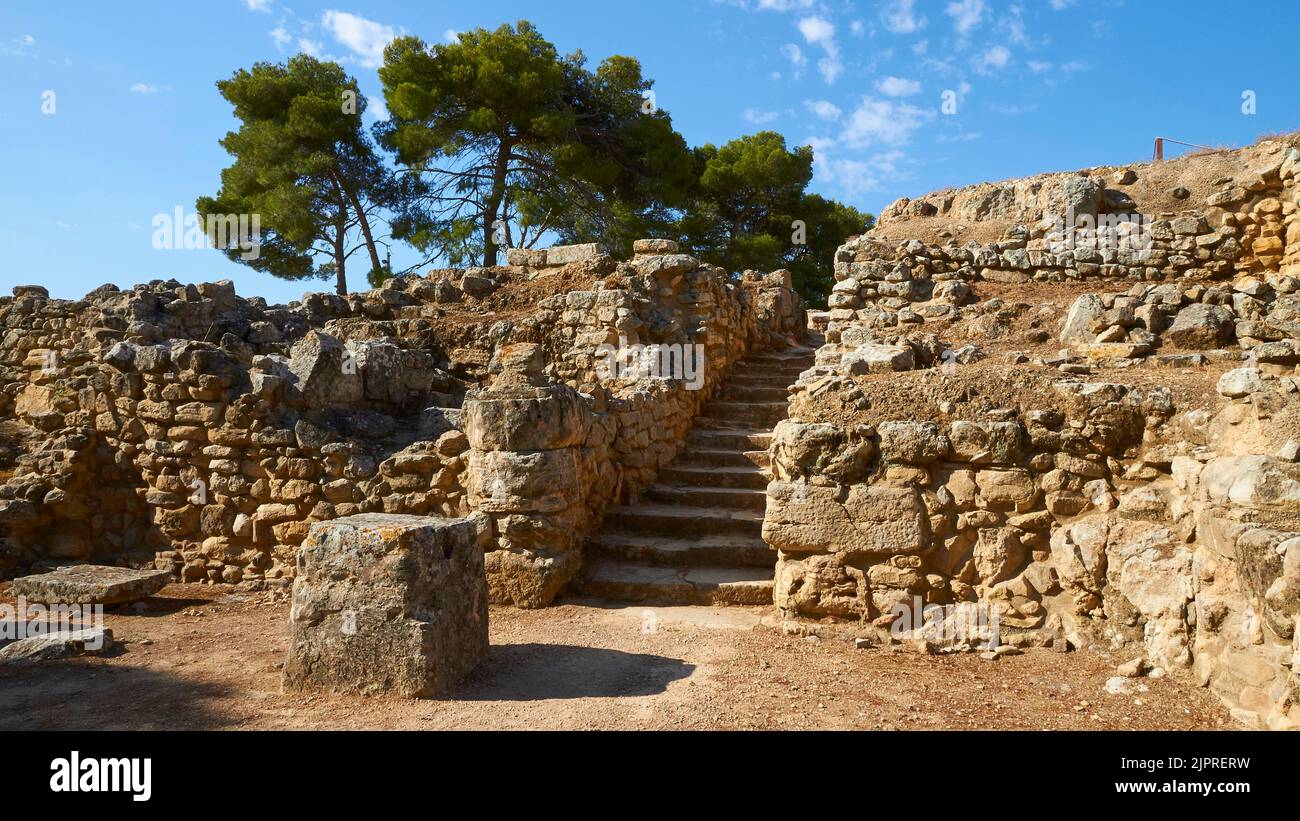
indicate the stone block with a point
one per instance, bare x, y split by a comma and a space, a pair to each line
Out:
386, 604
91, 584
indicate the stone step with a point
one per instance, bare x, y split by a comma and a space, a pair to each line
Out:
622, 581
701, 457
661, 551
725, 497
766, 414
765, 374
674, 520
729, 438
751, 477
745, 393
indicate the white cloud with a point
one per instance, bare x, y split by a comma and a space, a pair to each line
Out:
900, 17
824, 109
784, 5
1073, 65
143, 88
1039, 66
281, 37
757, 116
364, 38
309, 46
965, 14
994, 58
882, 121
27, 40
898, 86
451, 36
263, 6
1058, 5
819, 31
796, 57
920, 47
857, 28
854, 176
831, 69
376, 107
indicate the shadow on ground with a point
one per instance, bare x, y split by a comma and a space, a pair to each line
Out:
75, 693
536, 672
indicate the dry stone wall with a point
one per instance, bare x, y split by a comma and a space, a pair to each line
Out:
1086, 511
188, 428
554, 447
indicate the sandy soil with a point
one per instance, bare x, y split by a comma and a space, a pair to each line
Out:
209, 658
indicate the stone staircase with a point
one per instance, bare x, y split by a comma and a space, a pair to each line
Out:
695, 537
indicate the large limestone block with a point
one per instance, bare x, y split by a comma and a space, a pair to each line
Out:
567, 254
1200, 327
858, 520
540, 481
87, 584
986, 442
913, 442
323, 372
1001, 488
811, 449
1255, 482
388, 604
1086, 310
879, 359
524, 418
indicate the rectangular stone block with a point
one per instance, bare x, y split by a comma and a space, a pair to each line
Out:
566, 254
91, 584
387, 604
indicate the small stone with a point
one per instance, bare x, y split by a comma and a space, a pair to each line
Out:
1133, 669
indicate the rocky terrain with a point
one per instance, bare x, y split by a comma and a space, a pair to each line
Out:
1044, 416
1112, 466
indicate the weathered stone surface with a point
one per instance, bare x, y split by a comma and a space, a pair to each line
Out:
91, 584
915, 442
323, 372
1085, 311
58, 644
866, 520
1201, 327
524, 418
879, 359
388, 604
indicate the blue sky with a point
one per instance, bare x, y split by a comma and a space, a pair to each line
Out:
1039, 85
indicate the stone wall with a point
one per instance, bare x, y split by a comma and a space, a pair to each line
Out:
553, 447
186, 427
1248, 227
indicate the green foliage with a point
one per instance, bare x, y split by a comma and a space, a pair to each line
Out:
516, 141
750, 211
303, 164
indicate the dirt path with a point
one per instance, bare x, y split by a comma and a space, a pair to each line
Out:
209, 658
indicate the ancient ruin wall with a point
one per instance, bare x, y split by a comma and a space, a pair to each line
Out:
1081, 506
189, 428
551, 451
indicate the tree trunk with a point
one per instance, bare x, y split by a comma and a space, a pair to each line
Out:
492, 207
375, 264
340, 253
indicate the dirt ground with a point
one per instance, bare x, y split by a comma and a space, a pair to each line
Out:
209, 658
